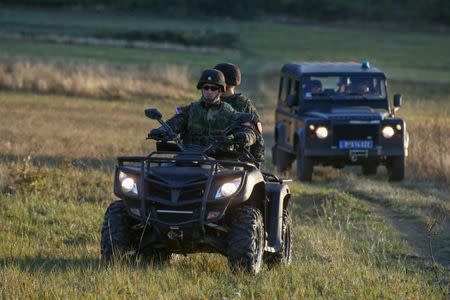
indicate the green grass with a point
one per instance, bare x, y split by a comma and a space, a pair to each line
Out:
50, 240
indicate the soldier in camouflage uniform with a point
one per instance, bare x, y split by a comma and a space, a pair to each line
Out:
242, 104
199, 121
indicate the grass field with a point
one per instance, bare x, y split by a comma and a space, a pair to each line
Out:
355, 237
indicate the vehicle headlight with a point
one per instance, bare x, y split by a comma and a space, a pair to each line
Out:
127, 183
228, 188
321, 132
388, 132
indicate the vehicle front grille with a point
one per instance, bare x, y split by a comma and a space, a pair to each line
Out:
355, 132
157, 189
358, 118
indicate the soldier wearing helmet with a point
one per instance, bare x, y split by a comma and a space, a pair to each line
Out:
198, 121
241, 103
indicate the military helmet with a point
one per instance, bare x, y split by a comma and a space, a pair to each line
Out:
212, 76
231, 72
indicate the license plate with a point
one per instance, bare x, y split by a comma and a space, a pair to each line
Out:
355, 144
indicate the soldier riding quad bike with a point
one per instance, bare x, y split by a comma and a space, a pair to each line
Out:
187, 199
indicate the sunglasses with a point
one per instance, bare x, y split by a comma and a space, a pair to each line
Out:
210, 87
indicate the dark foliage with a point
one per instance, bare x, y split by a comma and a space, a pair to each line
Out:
435, 11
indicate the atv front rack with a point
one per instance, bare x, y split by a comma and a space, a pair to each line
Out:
155, 159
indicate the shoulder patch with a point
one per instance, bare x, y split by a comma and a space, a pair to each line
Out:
180, 110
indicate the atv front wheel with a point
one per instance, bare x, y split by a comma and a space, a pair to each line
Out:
284, 255
246, 240
117, 238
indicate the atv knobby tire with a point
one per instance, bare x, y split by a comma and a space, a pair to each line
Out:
284, 256
246, 240
117, 238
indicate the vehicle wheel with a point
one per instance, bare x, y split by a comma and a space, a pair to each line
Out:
284, 256
396, 168
369, 168
117, 237
246, 240
283, 160
305, 166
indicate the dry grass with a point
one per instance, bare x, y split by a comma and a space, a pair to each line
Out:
430, 150
94, 79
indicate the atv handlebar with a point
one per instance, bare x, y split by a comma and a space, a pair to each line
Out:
154, 114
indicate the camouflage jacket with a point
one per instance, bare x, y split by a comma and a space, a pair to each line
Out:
242, 104
198, 122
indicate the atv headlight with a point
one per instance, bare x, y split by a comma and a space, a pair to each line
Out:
127, 183
321, 132
388, 132
228, 188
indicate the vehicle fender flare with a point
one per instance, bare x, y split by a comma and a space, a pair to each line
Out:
252, 190
278, 196
280, 132
299, 139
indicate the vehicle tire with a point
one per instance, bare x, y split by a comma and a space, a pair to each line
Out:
117, 238
369, 168
396, 168
305, 166
284, 256
246, 240
283, 160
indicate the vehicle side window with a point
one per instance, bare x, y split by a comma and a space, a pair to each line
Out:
295, 86
285, 86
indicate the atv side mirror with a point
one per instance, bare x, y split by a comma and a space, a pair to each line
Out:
153, 114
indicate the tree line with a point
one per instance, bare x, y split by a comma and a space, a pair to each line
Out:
432, 11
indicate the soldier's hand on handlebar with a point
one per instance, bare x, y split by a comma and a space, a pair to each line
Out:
158, 134
241, 138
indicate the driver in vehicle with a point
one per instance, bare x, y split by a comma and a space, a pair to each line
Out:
315, 87
199, 122
361, 86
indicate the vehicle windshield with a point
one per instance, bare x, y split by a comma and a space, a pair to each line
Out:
343, 87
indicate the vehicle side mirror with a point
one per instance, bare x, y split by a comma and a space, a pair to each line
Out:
292, 100
153, 114
397, 101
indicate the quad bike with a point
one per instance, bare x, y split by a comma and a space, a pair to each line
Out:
187, 199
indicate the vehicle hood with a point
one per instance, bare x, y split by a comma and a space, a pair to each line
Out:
351, 113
